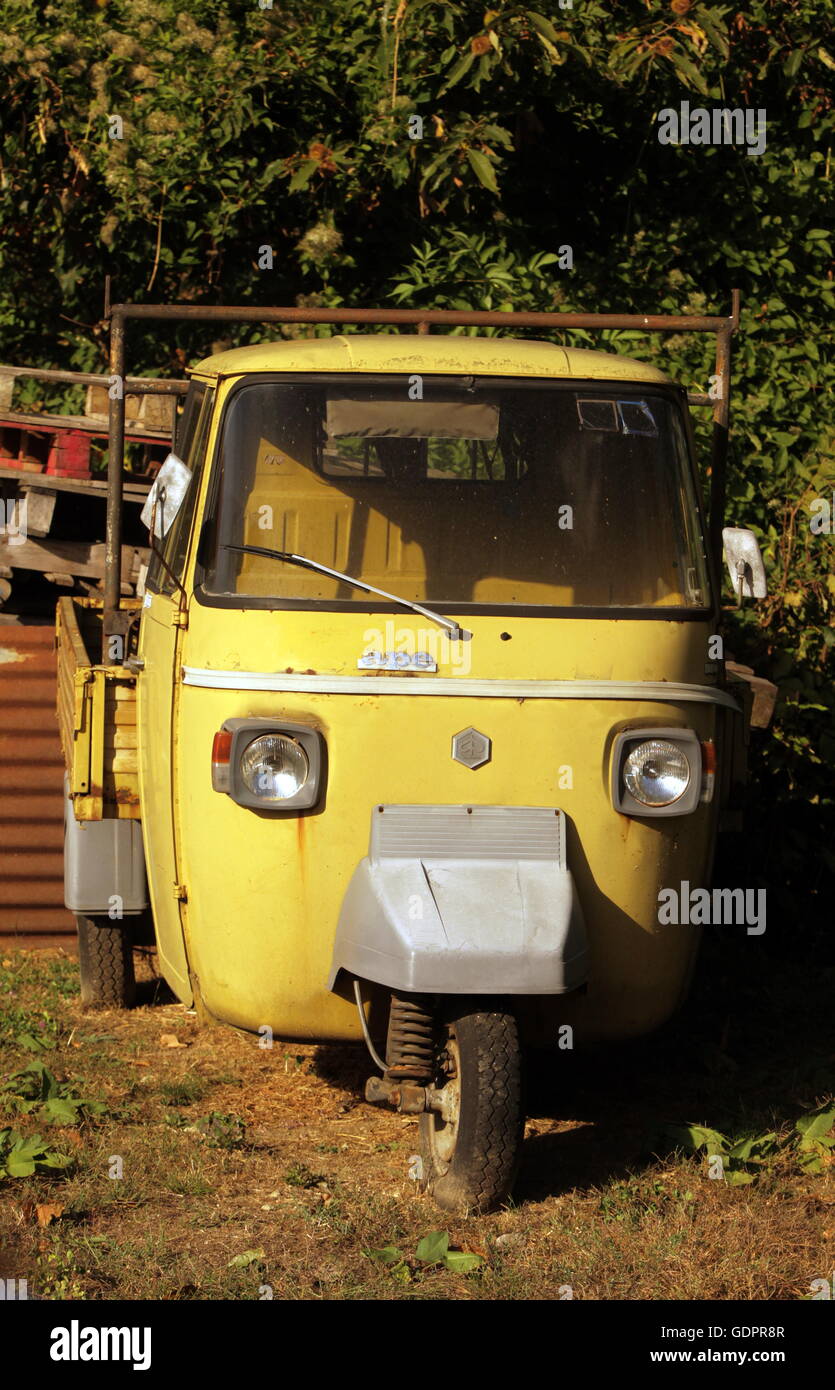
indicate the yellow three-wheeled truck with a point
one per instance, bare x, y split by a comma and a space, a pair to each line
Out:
422, 707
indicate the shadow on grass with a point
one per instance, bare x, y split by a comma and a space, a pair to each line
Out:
752, 1048
151, 988
152, 993
346, 1065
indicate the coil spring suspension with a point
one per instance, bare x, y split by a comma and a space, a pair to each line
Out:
410, 1041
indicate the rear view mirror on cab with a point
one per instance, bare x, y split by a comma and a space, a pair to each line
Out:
745, 562
166, 496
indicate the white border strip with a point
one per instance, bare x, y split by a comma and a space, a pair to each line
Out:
284, 683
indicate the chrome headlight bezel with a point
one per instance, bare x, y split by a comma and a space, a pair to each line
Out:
686, 742
244, 732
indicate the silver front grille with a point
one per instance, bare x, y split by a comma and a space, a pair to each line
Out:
467, 832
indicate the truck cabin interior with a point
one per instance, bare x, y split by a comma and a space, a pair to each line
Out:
481, 493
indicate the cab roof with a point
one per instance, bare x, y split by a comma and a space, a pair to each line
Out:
425, 354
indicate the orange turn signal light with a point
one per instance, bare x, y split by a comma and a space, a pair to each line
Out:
708, 769
221, 753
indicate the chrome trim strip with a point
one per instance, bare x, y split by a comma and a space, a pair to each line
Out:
283, 683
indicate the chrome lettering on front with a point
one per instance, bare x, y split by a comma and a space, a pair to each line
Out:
397, 661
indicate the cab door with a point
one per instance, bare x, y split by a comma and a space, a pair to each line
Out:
164, 617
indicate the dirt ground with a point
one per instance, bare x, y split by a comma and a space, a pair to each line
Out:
216, 1168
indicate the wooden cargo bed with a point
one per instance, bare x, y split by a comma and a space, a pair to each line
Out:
96, 716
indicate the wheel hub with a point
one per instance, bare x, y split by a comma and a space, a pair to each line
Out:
445, 1103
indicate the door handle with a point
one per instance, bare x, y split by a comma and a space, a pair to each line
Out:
134, 663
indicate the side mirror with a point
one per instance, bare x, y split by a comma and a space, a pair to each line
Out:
745, 562
166, 496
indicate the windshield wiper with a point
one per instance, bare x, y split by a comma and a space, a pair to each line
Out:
451, 626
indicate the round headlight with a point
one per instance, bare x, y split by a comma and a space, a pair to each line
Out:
656, 773
274, 767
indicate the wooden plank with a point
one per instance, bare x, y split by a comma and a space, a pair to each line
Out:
66, 688
97, 718
123, 736
69, 631
118, 688
120, 737
71, 557
147, 410
88, 424
38, 506
163, 385
133, 490
119, 764
122, 716
72, 663
65, 720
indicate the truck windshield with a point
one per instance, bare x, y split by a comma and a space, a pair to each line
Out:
472, 494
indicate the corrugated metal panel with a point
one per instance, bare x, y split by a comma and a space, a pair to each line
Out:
31, 777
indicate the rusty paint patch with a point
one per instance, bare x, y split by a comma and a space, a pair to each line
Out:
125, 797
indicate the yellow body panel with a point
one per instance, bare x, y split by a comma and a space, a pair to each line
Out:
158, 691
264, 892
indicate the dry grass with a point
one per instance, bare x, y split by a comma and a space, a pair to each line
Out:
306, 1177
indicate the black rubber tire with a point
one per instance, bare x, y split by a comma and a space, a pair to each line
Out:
105, 955
479, 1173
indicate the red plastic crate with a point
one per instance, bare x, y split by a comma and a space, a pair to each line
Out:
69, 455
23, 449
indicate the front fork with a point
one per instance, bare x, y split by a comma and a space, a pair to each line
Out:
407, 1083
457, 1064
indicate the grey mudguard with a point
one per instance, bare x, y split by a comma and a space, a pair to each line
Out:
104, 865
463, 900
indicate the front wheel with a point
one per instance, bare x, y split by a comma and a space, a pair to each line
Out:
471, 1142
105, 958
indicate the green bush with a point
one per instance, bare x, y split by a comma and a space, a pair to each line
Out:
291, 127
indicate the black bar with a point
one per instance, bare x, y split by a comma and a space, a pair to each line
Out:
461, 318
115, 457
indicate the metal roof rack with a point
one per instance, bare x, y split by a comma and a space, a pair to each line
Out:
423, 320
